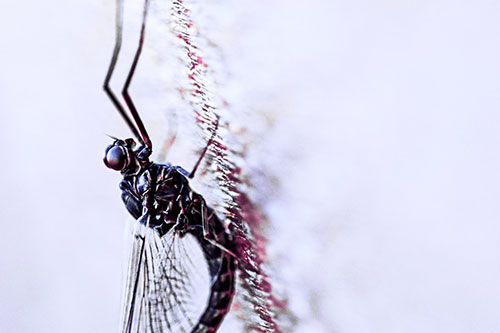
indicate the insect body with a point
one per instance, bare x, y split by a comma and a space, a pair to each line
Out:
167, 211
159, 197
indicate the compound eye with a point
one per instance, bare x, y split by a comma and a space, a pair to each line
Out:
116, 158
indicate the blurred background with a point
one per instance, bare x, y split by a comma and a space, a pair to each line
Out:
373, 131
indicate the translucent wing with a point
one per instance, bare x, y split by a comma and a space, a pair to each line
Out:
167, 284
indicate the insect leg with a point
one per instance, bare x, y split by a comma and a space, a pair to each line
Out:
111, 68
191, 175
125, 92
206, 232
213, 242
138, 265
204, 220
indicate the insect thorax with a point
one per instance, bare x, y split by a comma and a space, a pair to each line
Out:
163, 192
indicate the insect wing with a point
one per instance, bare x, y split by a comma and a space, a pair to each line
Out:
167, 283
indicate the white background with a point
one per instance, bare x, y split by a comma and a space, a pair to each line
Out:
382, 141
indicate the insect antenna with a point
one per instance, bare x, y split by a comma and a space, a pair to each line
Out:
125, 92
111, 68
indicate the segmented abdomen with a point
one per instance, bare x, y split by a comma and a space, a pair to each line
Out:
222, 268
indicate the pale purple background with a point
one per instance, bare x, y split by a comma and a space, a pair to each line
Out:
384, 142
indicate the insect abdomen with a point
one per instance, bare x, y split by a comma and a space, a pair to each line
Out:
221, 290
222, 268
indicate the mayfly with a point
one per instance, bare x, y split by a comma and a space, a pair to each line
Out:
167, 213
